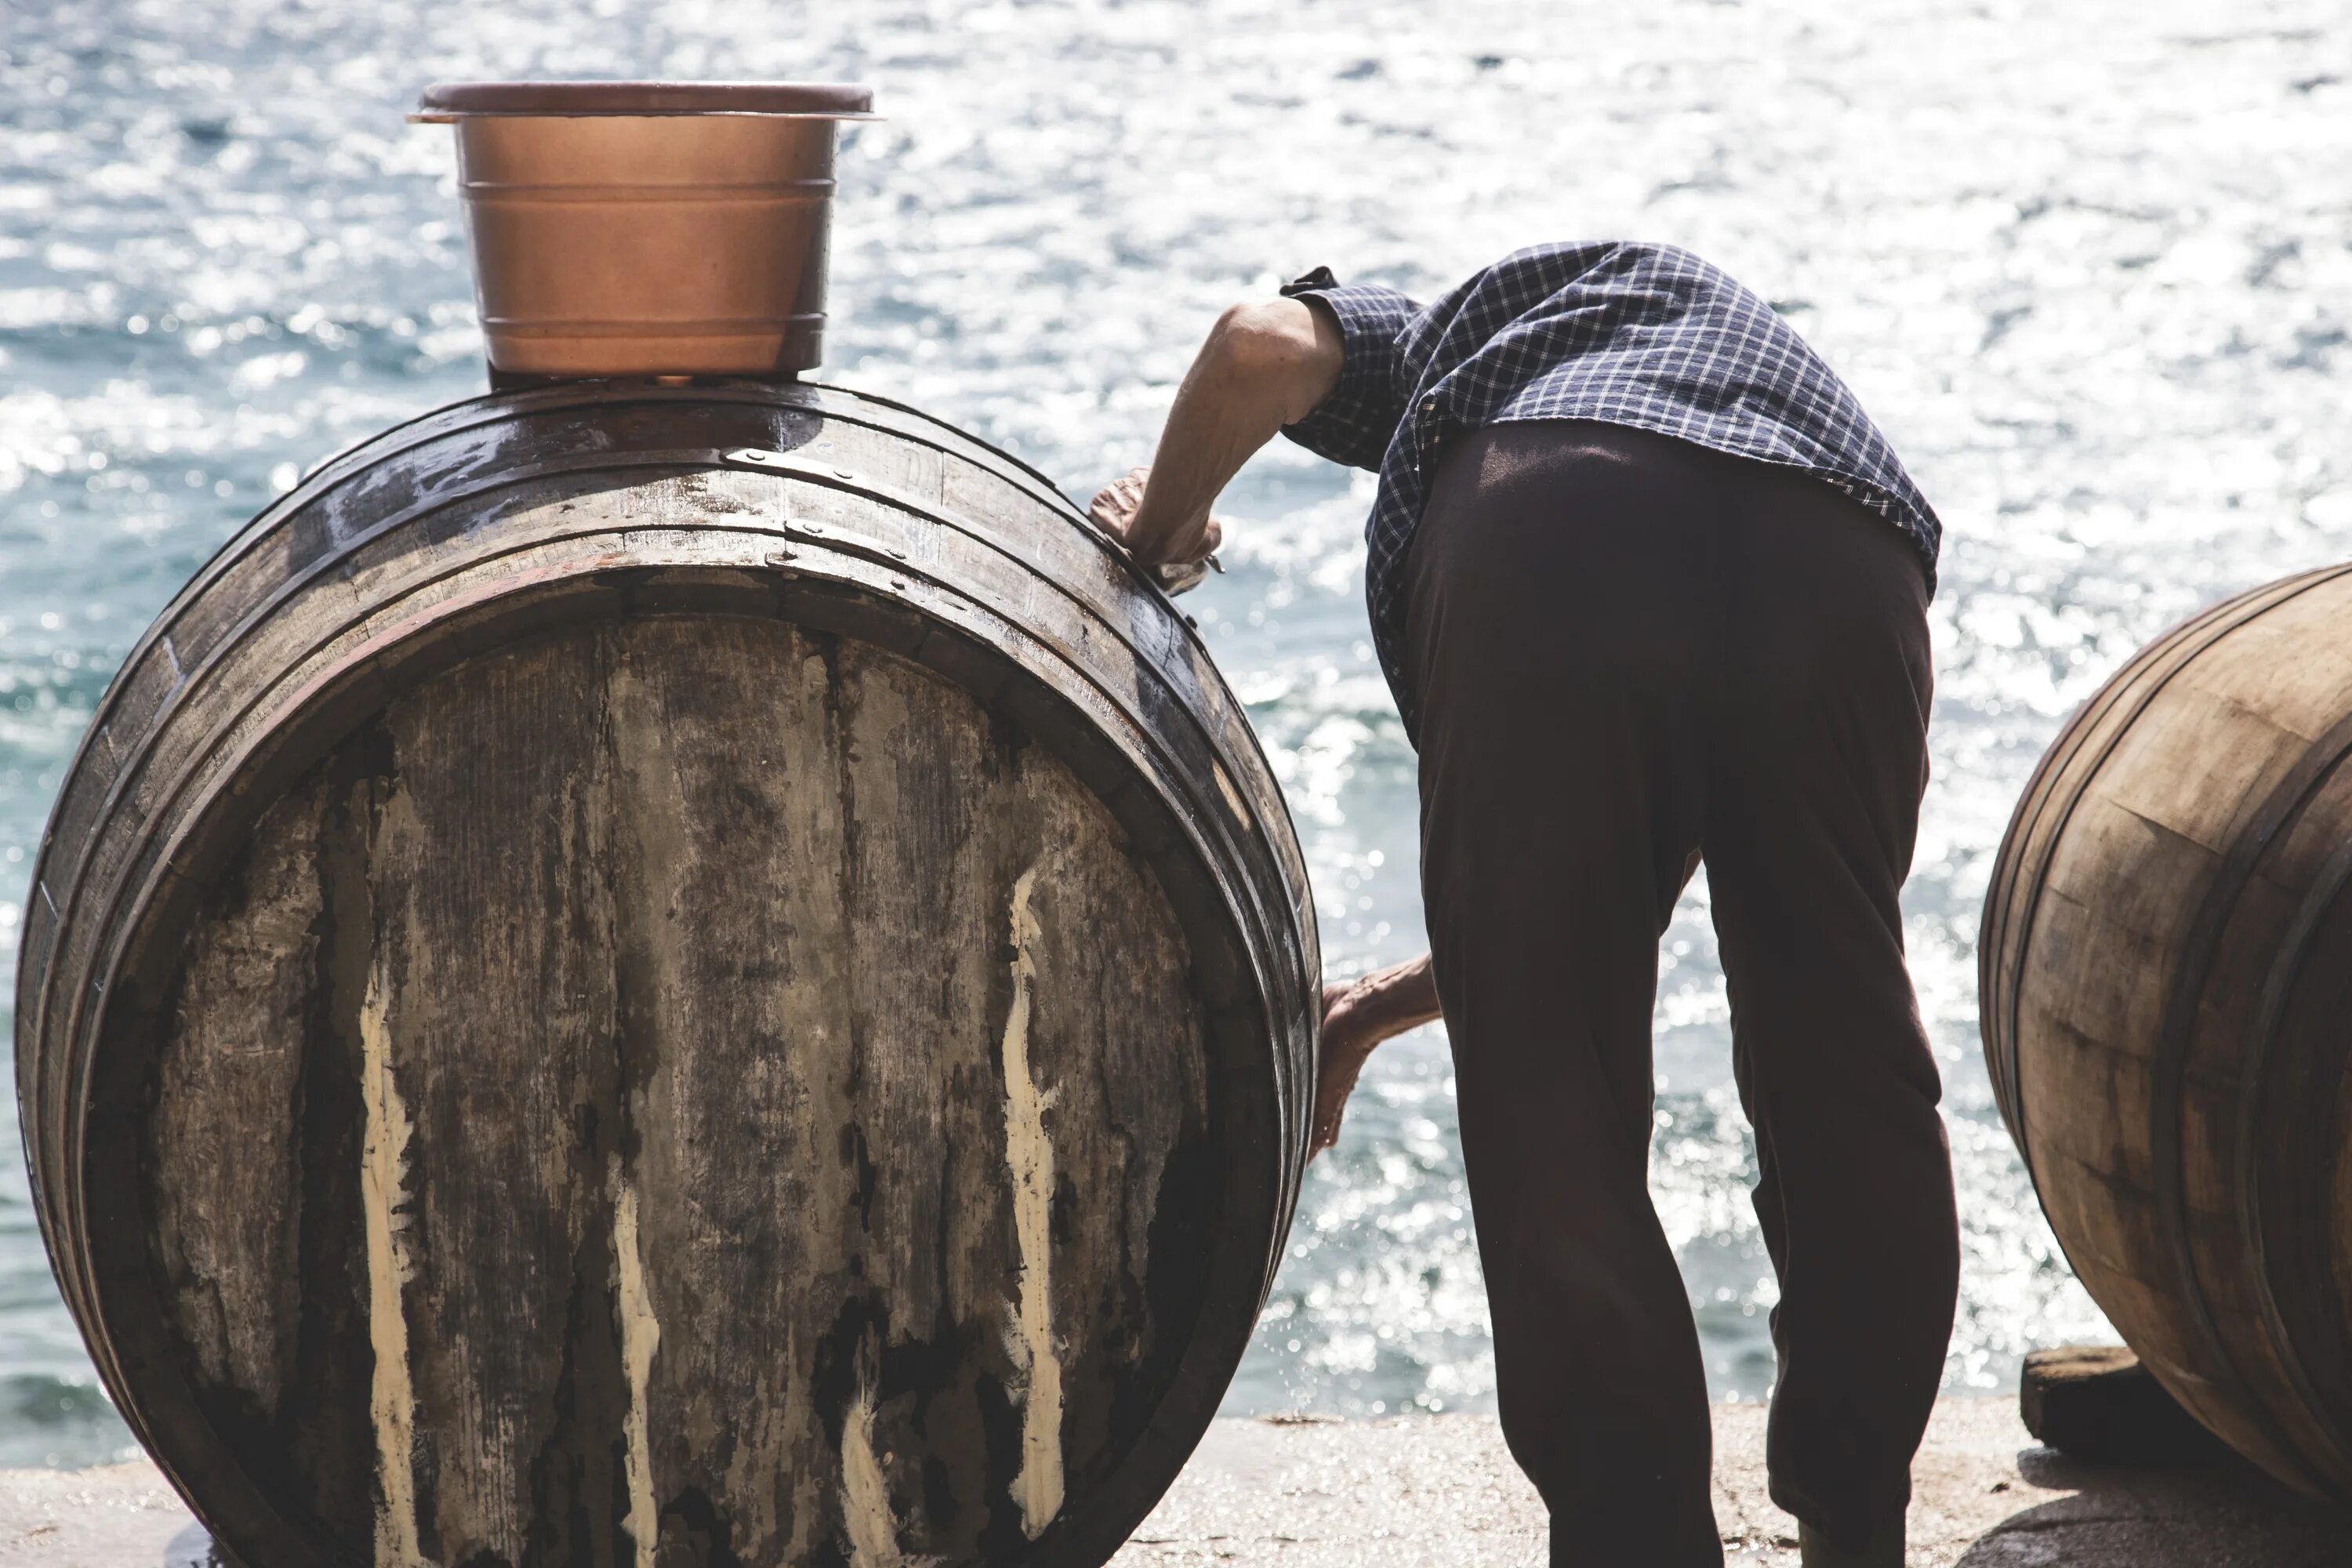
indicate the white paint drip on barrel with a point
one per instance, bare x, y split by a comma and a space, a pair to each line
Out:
1037, 1484
864, 1494
640, 1336
391, 1398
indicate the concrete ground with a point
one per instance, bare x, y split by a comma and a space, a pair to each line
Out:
1441, 1491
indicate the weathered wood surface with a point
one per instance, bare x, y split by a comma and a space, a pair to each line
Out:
2098, 1403
2167, 968
634, 1009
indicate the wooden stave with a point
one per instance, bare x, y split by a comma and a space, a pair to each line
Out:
1246, 767
2266, 1404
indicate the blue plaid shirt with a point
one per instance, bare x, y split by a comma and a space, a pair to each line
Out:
1643, 335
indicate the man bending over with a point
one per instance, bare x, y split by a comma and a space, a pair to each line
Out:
1649, 588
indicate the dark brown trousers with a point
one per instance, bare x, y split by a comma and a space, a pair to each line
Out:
1629, 652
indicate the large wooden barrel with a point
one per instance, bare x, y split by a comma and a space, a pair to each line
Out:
2167, 994
697, 975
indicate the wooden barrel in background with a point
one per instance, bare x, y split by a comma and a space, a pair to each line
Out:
2167, 994
699, 975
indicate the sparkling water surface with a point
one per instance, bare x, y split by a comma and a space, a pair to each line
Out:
2089, 264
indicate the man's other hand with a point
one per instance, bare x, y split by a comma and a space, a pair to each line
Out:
1346, 1044
1358, 1014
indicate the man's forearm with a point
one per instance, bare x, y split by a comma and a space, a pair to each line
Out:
1391, 1000
1264, 365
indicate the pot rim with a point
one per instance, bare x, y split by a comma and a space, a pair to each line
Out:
448, 102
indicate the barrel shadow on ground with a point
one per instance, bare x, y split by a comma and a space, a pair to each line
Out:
2207, 1516
193, 1547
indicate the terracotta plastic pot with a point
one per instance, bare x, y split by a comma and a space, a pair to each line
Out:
648, 229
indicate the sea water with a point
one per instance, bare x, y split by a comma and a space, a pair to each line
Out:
2089, 264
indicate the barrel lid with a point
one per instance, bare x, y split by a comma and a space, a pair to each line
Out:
809, 99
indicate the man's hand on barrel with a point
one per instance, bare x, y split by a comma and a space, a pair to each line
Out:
1267, 364
1358, 1014
1180, 560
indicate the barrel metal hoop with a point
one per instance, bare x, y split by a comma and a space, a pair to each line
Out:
2294, 947
1044, 481
2214, 623
2169, 1068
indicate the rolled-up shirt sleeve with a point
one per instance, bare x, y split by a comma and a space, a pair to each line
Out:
1356, 422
